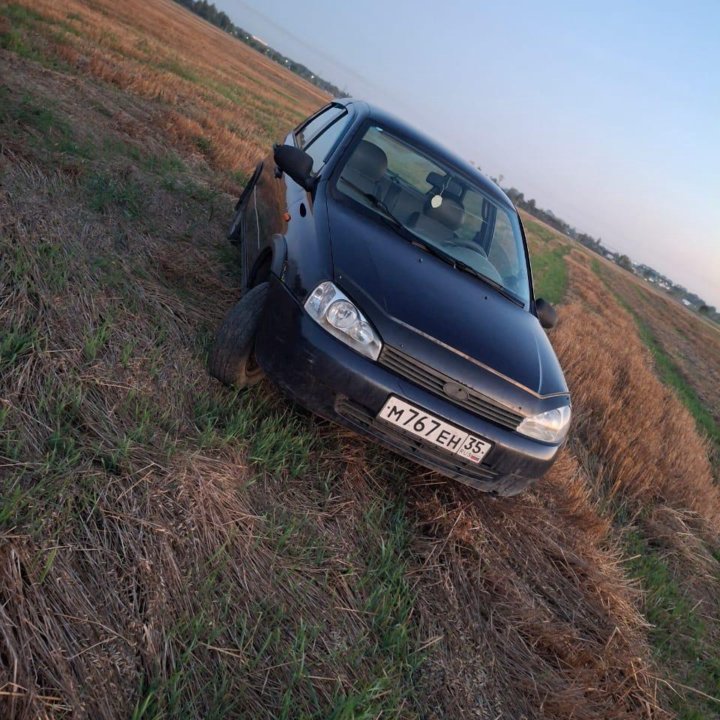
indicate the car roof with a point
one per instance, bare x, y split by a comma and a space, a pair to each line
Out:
367, 111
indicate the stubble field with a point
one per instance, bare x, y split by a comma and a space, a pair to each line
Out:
169, 548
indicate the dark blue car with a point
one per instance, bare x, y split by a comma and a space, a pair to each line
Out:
387, 287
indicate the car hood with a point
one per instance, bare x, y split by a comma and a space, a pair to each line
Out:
404, 291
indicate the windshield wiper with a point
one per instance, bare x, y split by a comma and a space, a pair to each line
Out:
460, 265
433, 250
463, 266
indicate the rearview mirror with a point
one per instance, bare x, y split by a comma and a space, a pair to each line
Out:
546, 313
296, 163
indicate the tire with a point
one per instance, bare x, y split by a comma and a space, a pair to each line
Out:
232, 358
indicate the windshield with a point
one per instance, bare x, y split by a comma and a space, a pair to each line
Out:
442, 208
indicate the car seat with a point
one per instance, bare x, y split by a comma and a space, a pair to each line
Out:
438, 224
366, 168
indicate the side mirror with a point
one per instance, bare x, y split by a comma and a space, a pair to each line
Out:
546, 313
296, 163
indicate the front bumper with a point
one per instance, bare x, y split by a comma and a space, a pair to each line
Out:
330, 379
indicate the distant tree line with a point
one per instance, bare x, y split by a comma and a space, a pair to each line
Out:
209, 12
689, 299
549, 218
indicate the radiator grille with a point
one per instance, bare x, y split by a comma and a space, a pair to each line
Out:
434, 381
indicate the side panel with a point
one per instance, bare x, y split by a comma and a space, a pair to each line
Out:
265, 216
280, 207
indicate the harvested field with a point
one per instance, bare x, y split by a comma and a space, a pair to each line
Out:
169, 548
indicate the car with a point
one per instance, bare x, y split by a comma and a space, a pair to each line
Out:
386, 286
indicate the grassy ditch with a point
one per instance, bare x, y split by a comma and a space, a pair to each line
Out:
667, 370
680, 631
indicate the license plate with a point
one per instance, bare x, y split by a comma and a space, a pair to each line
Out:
432, 429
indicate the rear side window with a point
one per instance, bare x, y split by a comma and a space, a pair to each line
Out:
309, 131
319, 148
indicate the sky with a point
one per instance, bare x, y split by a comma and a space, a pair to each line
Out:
607, 113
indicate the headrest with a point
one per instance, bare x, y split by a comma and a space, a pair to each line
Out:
435, 179
448, 185
450, 213
368, 159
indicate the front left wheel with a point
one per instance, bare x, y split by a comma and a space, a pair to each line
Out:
232, 358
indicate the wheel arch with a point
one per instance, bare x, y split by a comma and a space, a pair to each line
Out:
271, 260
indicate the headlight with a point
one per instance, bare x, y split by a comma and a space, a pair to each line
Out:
551, 426
328, 307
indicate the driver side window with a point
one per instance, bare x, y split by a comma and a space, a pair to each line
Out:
319, 148
307, 132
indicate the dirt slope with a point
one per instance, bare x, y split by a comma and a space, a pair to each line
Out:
170, 549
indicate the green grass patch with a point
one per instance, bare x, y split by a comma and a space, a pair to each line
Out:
225, 417
111, 273
53, 261
240, 177
176, 183
47, 130
235, 94
40, 482
277, 438
105, 192
13, 40
282, 442
16, 39
175, 67
10, 441
29, 113
23, 38
96, 339
21, 16
542, 233
203, 144
392, 646
679, 634
550, 274
16, 344
166, 165
274, 639
670, 374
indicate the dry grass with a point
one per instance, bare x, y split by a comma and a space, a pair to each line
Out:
168, 549
651, 440
214, 93
528, 594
